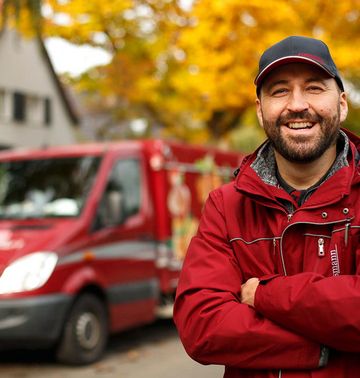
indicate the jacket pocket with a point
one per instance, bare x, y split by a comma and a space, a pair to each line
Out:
258, 257
332, 253
343, 248
317, 247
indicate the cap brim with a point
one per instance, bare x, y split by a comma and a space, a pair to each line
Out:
288, 59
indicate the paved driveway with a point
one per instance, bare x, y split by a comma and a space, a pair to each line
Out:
149, 352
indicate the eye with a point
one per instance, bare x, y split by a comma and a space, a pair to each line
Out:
278, 92
315, 89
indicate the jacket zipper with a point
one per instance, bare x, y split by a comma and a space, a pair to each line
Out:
321, 250
346, 238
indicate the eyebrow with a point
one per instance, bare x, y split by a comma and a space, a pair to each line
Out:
277, 82
307, 81
321, 80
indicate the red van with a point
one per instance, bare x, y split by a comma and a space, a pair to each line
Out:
92, 238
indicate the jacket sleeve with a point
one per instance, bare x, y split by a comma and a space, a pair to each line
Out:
325, 309
212, 323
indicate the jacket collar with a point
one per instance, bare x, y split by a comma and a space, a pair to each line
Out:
257, 173
265, 165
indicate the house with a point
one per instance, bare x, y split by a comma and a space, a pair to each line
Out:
34, 108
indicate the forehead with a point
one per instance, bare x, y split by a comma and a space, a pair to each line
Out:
296, 71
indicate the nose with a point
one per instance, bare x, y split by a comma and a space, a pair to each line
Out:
297, 101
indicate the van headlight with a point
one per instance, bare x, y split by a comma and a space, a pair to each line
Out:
28, 273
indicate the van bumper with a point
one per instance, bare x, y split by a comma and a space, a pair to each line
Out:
35, 321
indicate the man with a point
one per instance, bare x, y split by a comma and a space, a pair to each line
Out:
271, 283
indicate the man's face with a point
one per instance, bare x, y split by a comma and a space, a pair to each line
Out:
301, 108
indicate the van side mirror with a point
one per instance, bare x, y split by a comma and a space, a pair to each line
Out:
111, 210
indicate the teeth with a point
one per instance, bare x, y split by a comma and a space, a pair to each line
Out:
299, 125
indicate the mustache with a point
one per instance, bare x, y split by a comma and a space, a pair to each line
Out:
303, 115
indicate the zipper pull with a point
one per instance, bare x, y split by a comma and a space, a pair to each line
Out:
347, 226
321, 250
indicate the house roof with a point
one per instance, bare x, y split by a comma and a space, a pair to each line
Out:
68, 105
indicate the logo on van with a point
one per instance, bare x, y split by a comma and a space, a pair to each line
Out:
6, 241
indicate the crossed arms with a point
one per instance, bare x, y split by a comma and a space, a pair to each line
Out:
277, 324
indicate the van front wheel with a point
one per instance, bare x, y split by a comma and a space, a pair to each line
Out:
85, 333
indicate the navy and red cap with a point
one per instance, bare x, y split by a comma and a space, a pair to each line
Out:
297, 49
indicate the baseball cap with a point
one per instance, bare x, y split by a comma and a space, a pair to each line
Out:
297, 49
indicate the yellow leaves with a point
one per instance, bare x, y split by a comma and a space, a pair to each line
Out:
124, 78
348, 60
82, 21
92, 9
24, 16
189, 68
225, 43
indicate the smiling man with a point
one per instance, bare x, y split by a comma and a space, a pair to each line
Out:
271, 282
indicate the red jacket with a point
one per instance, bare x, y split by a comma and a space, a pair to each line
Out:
308, 263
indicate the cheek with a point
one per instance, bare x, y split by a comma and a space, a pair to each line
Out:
329, 112
328, 108
271, 112
324, 111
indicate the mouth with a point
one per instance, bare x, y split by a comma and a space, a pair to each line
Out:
300, 125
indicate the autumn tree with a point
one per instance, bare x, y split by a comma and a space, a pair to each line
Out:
25, 14
191, 70
223, 45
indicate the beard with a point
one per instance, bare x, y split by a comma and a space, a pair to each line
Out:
300, 149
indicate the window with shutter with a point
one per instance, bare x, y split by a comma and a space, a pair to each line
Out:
19, 107
47, 111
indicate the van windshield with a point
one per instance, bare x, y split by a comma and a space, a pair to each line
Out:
55, 187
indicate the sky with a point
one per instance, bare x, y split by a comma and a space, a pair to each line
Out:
68, 58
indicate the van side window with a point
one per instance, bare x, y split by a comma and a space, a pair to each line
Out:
121, 197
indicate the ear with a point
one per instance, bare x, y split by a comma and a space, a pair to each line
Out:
343, 107
259, 112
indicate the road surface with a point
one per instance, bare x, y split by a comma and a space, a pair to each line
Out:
152, 351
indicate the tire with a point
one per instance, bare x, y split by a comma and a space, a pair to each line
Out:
85, 333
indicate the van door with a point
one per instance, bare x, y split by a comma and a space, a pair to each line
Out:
125, 249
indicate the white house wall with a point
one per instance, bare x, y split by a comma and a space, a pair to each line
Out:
24, 69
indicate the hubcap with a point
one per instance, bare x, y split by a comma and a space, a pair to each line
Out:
88, 330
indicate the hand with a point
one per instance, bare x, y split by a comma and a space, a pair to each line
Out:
248, 290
